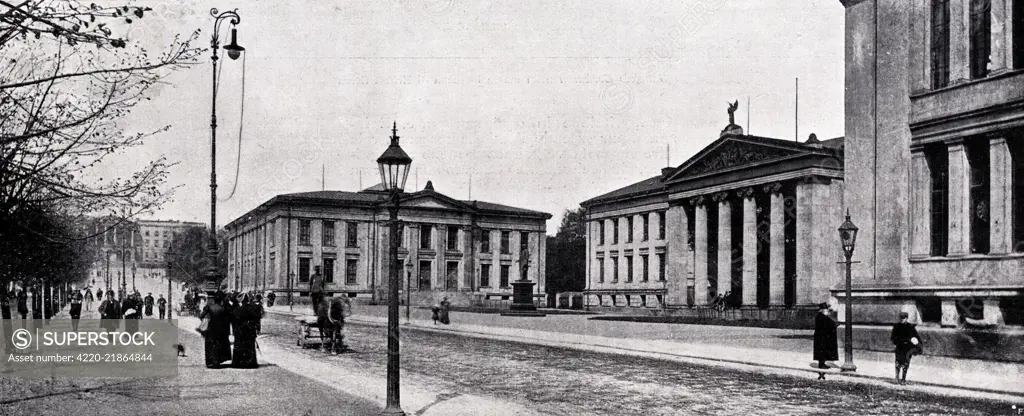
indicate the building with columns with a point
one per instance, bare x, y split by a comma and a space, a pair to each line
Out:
466, 250
747, 215
935, 159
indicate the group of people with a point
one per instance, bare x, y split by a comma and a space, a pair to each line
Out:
237, 314
903, 336
130, 308
729, 300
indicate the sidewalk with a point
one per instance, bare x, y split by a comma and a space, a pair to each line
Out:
939, 375
416, 398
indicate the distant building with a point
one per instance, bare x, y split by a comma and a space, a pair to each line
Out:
132, 248
463, 249
935, 159
751, 216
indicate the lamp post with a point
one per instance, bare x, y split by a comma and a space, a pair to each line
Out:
394, 170
233, 52
408, 289
170, 264
848, 236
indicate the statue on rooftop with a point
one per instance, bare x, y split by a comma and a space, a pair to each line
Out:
732, 112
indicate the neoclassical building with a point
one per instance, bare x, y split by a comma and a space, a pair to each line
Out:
754, 216
455, 248
935, 159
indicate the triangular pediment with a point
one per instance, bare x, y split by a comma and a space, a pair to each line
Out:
729, 153
428, 202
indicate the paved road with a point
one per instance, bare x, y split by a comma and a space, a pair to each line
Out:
565, 382
268, 390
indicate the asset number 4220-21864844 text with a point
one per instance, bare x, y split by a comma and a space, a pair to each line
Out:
114, 358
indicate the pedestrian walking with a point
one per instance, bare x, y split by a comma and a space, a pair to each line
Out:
316, 288
908, 343
76, 309
188, 302
826, 345
244, 324
270, 299
99, 295
110, 313
435, 312
88, 299
161, 306
23, 306
216, 328
444, 308
148, 304
131, 308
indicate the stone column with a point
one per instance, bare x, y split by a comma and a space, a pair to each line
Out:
1000, 196
950, 317
997, 60
676, 256
920, 194
959, 41
750, 248
700, 246
777, 238
724, 244
959, 200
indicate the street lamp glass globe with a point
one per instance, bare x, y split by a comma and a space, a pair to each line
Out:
848, 235
394, 165
234, 50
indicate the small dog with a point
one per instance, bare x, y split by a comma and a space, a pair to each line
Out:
181, 350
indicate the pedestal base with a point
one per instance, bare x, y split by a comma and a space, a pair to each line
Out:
522, 300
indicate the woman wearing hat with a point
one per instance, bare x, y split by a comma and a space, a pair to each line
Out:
904, 337
826, 347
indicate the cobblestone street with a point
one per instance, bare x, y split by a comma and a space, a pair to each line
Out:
564, 382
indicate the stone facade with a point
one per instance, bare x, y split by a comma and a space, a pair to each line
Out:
447, 247
134, 248
747, 215
935, 95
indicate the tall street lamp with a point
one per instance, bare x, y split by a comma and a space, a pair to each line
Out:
233, 51
394, 170
848, 236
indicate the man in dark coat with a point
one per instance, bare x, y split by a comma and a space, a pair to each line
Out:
23, 306
826, 346
316, 288
217, 345
110, 312
149, 304
161, 306
131, 308
76, 309
904, 337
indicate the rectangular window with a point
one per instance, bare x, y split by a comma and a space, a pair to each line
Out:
938, 168
485, 275
504, 275
646, 218
600, 270
644, 264
978, 159
524, 241
615, 231
273, 268
351, 268
426, 239
940, 43
485, 241
601, 233
615, 269
505, 237
981, 37
1017, 188
453, 238
661, 267
304, 232
629, 229
273, 230
328, 234
452, 273
1018, 34
352, 234
629, 269
425, 275
328, 270
304, 269
661, 225
147, 233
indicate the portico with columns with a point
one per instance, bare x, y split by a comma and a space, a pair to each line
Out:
752, 217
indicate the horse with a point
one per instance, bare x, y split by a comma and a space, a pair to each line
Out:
330, 314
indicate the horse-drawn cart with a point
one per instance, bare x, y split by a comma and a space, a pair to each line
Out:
309, 331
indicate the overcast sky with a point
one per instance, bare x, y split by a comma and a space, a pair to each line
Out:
543, 103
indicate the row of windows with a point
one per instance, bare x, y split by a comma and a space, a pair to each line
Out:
645, 221
979, 180
644, 267
305, 272
980, 38
327, 234
485, 275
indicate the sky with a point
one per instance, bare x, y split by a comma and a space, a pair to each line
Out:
538, 104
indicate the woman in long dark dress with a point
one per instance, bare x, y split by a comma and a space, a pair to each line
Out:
217, 345
244, 323
110, 313
826, 346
